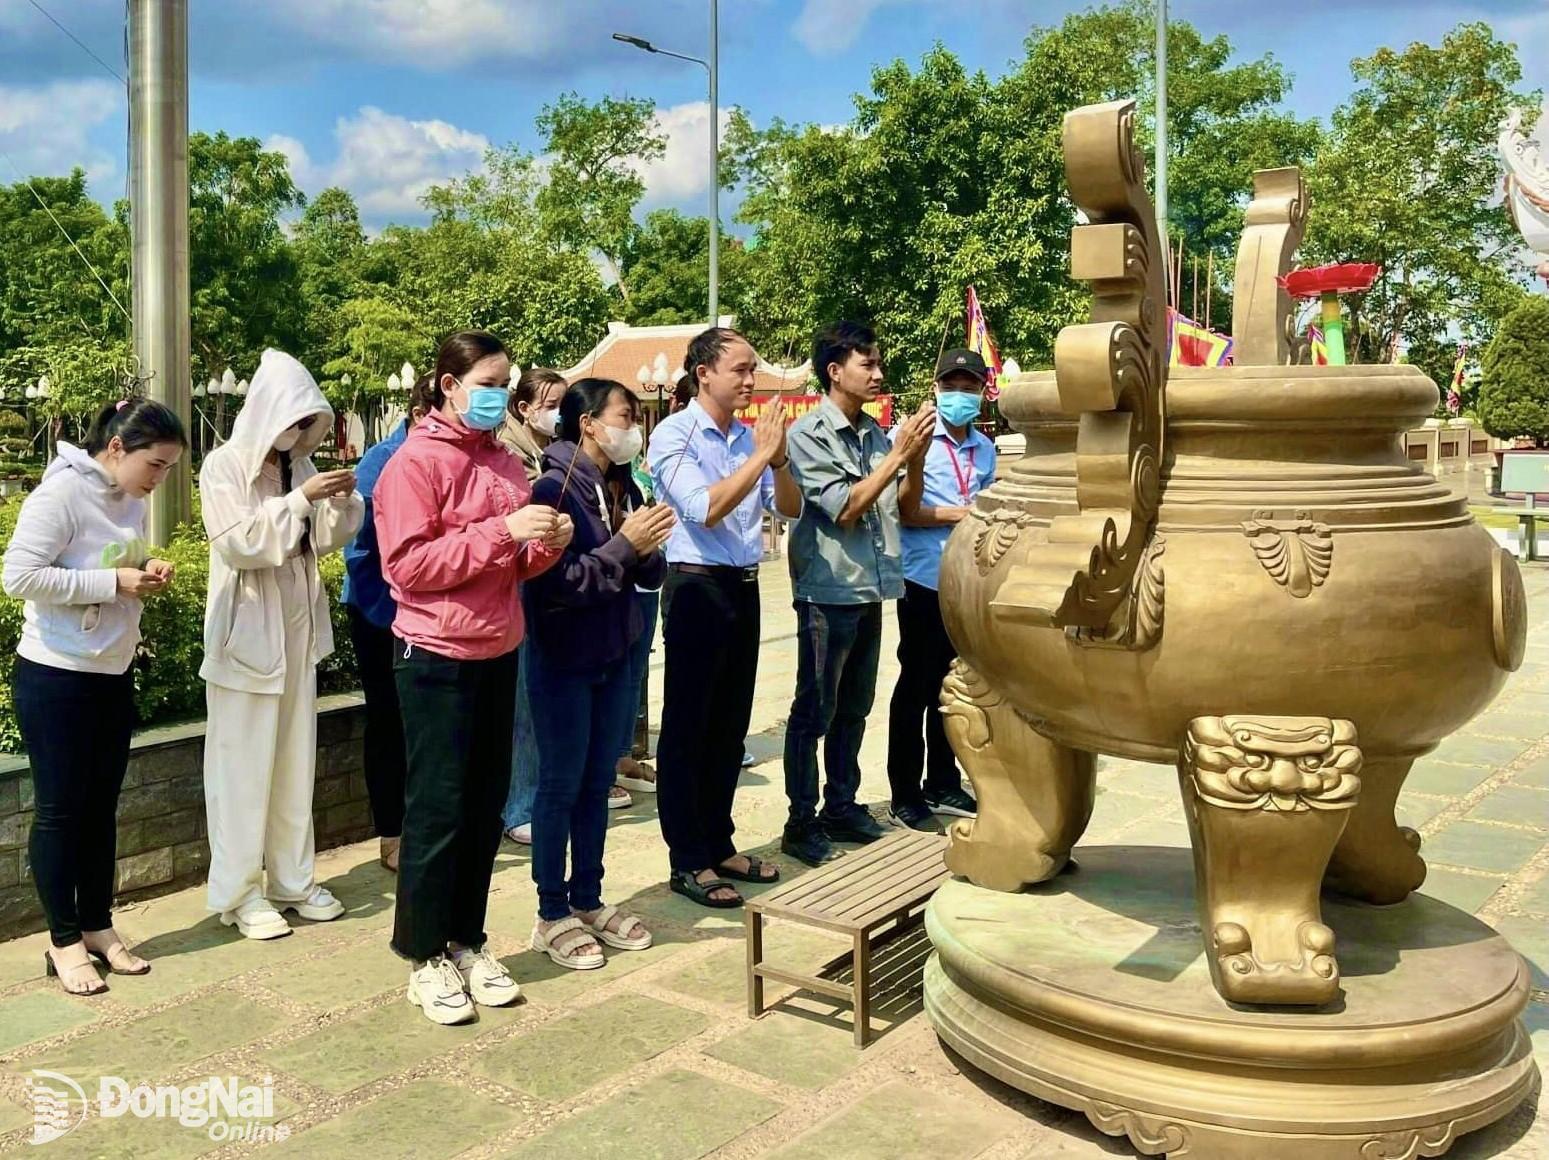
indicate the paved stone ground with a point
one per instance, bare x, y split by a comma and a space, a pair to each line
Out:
653, 1056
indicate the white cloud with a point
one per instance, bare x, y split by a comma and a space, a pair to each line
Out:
828, 27
683, 171
45, 129
434, 35
386, 161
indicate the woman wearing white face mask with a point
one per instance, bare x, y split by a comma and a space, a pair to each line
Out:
583, 618
531, 424
269, 515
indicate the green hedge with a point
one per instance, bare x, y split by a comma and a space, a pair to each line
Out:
166, 671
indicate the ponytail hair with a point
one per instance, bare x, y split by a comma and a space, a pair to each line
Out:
137, 424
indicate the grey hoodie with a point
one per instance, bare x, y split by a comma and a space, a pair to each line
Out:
74, 532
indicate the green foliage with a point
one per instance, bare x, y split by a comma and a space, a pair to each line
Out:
1514, 389
945, 179
1408, 178
242, 271
593, 187
167, 684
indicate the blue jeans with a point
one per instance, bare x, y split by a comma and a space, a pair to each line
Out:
639, 662
577, 717
837, 651
524, 753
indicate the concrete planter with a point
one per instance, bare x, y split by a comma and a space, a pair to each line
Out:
161, 820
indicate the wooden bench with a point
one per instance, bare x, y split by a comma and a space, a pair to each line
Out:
889, 881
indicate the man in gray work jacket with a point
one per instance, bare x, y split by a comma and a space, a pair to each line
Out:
845, 560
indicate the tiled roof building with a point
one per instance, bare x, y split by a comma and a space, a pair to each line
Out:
625, 351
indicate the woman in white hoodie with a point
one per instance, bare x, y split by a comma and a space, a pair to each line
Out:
269, 516
78, 559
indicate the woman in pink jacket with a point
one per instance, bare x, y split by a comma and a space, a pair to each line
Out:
457, 534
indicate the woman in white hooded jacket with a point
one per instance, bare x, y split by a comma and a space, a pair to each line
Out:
269, 515
78, 559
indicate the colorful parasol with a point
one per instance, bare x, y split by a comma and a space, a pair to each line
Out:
1328, 283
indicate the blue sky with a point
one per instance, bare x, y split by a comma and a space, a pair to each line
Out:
388, 96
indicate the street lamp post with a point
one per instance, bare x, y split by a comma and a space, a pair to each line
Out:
712, 69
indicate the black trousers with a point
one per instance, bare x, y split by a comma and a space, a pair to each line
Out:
710, 631
457, 718
925, 654
384, 751
76, 727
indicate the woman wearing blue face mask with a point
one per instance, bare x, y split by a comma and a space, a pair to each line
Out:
584, 618
935, 496
459, 537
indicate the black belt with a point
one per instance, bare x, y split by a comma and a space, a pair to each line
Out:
717, 571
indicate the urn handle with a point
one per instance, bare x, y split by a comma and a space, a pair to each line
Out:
1111, 372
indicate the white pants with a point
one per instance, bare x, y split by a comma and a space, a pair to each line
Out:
260, 765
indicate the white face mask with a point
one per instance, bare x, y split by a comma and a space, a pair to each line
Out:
288, 438
620, 445
544, 422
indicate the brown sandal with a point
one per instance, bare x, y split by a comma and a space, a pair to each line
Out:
54, 971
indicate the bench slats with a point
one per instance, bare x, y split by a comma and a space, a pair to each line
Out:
865, 880
863, 890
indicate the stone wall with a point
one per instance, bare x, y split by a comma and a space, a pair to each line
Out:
161, 820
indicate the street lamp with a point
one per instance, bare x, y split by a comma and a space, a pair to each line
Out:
406, 376
711, 67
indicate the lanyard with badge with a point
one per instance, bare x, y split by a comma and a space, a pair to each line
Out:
964, 478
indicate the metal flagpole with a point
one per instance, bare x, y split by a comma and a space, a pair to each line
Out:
158, 205
715, 167
1161, 126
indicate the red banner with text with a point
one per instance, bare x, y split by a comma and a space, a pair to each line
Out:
880, 408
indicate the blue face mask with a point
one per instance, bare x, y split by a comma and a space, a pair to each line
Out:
486, 407
958, 408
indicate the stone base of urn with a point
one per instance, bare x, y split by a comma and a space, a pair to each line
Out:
1092, 991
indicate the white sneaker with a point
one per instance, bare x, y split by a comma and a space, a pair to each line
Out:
257, 919
521, 835
319, 906
486, 978
437, 989
747, 760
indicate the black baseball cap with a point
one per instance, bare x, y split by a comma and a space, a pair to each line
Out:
968, 362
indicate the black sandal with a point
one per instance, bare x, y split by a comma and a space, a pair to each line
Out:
685, 883
751, 874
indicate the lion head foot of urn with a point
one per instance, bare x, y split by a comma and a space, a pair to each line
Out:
1267, 800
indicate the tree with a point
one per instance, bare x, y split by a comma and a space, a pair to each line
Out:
666, 263
593, 183
1514, 390
48, 293
1408, 179
945, 179
243, 279
328, 244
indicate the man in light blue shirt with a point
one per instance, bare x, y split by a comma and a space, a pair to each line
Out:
844, 559
720, 477
936, 495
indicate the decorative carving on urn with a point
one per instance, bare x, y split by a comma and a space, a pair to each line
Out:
1111, 373
1275, 763
1297, 553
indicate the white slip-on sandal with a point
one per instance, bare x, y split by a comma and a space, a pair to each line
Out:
631, 934
561, 942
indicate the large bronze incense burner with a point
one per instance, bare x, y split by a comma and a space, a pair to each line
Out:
1235, 570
